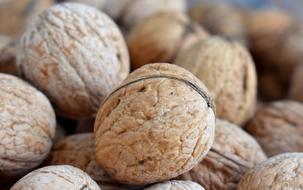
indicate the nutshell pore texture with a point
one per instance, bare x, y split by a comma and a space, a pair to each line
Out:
56, 178
232, 154
157, 125
279, 173
228, 71
176, 185
27, 126
76, 55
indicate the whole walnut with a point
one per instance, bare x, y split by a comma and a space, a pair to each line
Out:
296, 85
232, 154
169, 33
76, 55
16, 14
278, 127
27, 126
275, 45
228, 71
279, 173
56, 178
221, 19
176, 185
67, 152
8, 52
157, 125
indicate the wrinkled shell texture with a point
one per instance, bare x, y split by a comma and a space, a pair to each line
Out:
27, 126
168, 33
176, 185
278, 127
221, 19
296, 86
232, 154
79, 151
279, 173
228, 71
19, 14
76, 55
154, 129
56, 178
131, 12
8, 52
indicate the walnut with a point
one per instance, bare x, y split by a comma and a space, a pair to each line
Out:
228, 71
278, 127
221, 19
27, 126
279, 173
67, 152
8, 52
169, 33
15, 14
56, 178
296, 85
157, 125
76, 55
232, 154
176, 185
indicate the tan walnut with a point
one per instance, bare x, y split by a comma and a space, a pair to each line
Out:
279, 173
232, 154
157, 125
176, 185
56, 178
278, 127
16, 14
169, 33
27, 126
228, 71
8, 51
76, 55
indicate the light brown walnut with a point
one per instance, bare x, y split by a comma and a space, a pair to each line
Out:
169, 33
8, 51
282, 172
27, 126
16, 14
227, 69
278, 127
176, 185
232, 154
76, 55
56, 178
157, 125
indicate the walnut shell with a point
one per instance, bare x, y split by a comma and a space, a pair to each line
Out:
67, 152
56, 178
221, 19
279, 173
8, 52
76, 55
232, 154
131, 12
228, 71
27, 126
158, 124
176, 185
296, 85
15, 14
278, 127
169, 33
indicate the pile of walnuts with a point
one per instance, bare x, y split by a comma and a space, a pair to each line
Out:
149, 95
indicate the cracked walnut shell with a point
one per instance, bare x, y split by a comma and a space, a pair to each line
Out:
56, 178
232, 154
228, 71
27, 126
76, 55
278, 127
279, 173
176, 185
157, 125
169, 33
